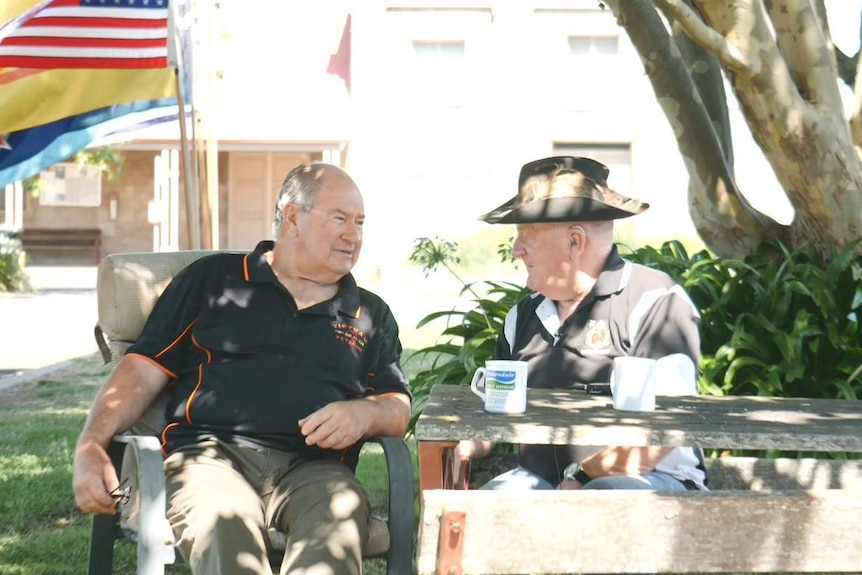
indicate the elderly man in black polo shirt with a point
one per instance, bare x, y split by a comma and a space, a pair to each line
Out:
280, 367
589, 306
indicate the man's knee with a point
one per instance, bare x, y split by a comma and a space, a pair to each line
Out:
322, 492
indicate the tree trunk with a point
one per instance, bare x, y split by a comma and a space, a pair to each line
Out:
779, 59
724, 221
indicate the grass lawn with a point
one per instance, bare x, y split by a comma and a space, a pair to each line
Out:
41, 530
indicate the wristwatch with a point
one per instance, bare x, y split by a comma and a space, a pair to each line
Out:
576, 472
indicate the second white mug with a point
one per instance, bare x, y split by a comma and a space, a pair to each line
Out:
633, 383
502, 385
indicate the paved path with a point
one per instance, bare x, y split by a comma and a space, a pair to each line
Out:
50, 325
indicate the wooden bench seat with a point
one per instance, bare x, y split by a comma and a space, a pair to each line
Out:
63, 239
762, 515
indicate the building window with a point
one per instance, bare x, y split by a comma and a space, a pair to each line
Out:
438, 53
617, 157
595, 57
439, 72
594, 45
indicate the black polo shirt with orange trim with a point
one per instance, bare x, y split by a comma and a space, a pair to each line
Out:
248, 365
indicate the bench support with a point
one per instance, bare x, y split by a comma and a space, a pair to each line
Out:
629, 531
452, 527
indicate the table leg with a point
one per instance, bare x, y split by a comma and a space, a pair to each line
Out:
432, 456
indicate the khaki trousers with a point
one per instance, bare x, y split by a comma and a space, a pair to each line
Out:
222, 498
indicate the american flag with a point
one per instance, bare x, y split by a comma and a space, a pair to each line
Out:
87, 34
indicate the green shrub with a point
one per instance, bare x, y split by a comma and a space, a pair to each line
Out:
779, 323
12, 260
468, 336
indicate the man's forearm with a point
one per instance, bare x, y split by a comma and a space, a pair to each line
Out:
126, 394
623, 460
390, 414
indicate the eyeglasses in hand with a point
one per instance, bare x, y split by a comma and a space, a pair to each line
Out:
122, 492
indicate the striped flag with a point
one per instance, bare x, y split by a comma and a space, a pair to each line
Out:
117, 34
26, 153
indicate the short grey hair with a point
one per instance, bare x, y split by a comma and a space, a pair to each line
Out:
300, 188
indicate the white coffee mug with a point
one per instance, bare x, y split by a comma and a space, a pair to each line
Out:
502, 385
633, 383
675, 374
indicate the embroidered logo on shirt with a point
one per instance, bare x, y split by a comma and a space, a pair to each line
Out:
598, 335
352, 336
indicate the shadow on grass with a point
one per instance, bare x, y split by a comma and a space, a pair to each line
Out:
41, 530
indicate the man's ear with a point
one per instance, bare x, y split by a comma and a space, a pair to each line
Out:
291, 218
577, 237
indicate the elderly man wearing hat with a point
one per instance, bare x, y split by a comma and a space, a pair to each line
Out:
588, 305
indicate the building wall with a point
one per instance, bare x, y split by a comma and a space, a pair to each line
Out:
255, 180
443, 103
128, 231
440, 155
131, 231
439, 145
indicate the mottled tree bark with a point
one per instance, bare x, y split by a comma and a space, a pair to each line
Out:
778, 58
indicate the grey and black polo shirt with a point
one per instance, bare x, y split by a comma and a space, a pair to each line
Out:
632, 310
248, 365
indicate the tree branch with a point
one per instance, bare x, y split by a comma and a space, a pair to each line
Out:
723, 219
705, 72
856, 117
803, 40
698, 31
808, 146
846, 66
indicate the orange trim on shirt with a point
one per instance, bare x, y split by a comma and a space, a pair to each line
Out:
157, 364
245, 273
200, 379
179, 337
164, 437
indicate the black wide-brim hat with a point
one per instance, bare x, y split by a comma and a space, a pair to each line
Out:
542, 197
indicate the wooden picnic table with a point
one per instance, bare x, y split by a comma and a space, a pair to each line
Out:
572, 417
803, 516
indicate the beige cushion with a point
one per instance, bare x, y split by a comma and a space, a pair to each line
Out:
129, 284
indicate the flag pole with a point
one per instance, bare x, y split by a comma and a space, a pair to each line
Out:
176, 56
192, 203
199, 161
211, 142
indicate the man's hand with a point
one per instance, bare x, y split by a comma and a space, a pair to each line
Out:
337, 425
341, 424
466, 450
93, 479
570, 484
130, 388
472, 449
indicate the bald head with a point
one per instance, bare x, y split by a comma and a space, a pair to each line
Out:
302, 186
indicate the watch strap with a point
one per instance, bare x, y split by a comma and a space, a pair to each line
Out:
581, 476
576, 472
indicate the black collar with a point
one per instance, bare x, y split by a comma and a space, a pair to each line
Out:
258, 270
